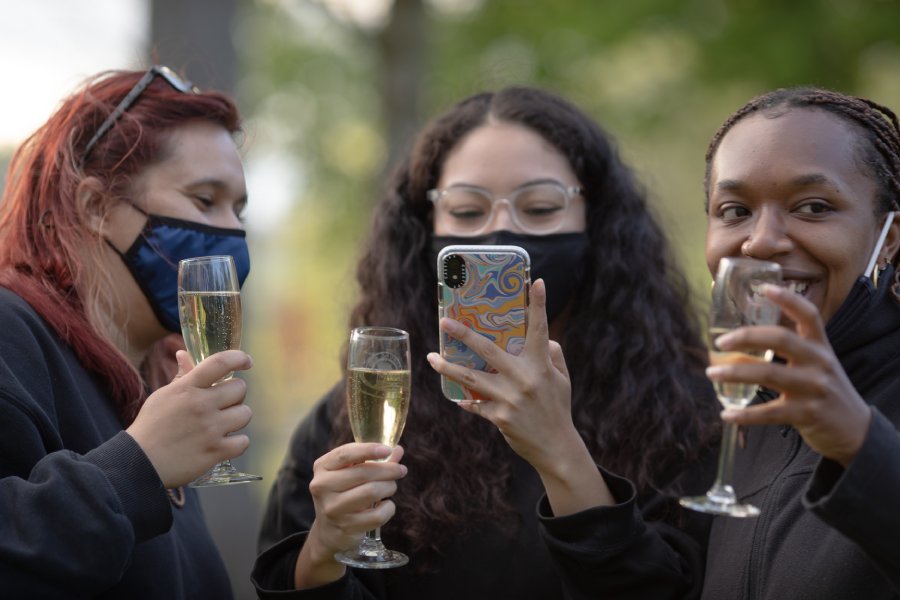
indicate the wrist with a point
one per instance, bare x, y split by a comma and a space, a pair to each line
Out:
857, 439
316, 564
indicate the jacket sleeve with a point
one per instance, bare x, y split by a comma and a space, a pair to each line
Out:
289, 515
69, 521
69, 524
613, 552
861, 501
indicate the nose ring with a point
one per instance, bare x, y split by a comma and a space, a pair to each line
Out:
745, 248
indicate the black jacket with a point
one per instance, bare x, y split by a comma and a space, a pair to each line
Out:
491, 562
83, 513
824, 532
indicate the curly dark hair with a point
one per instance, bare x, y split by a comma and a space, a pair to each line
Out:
640, 397
877, 144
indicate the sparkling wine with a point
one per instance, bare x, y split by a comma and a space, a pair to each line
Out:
378, 403
734, 394
210, 322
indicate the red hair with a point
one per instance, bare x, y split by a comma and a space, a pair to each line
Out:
47, 244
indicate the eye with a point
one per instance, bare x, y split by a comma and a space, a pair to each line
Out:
813, 207
204, 201
733, 212
465, 204
467, 212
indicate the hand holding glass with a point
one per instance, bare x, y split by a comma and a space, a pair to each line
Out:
736, 302
378, 381
209, 305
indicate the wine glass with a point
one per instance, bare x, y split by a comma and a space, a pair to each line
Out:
737, 301
209, 306
378, 380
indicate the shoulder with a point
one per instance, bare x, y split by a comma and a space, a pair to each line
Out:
25, 338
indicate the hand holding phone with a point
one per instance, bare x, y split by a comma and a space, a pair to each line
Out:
486, 289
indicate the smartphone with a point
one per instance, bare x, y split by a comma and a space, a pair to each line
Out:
485, 288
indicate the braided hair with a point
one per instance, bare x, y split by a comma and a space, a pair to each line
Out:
879, 140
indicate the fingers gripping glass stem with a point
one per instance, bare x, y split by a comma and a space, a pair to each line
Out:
209, 306
737, 301
377, 401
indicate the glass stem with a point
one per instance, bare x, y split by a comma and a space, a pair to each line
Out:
722, 491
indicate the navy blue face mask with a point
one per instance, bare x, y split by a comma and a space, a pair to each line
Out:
154, 255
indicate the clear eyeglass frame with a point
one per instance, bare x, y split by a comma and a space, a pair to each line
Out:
438, 197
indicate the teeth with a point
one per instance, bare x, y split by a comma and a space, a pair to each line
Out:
798, 287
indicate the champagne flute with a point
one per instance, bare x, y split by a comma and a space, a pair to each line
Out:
378, 381
737, 301
209, 306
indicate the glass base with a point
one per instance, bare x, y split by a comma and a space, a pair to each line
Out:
372, 558
705, 504
223, 474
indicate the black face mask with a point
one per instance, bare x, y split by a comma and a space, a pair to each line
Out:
558, 258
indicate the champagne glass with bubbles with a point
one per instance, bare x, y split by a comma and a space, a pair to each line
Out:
378, 381
737, 301
209, 306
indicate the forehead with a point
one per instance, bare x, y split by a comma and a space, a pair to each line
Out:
797, 139
504, 153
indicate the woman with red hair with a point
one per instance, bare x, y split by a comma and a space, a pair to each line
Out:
132, 173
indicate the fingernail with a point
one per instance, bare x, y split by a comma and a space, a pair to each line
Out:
431, 357
383, 450
403, 470
730, 414
723, 340
770, 289
714, 371
453, 327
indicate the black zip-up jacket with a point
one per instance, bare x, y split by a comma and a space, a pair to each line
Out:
824, 532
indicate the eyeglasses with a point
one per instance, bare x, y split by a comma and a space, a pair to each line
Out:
166, 73
535, 208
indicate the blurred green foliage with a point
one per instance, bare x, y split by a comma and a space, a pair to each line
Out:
659, 75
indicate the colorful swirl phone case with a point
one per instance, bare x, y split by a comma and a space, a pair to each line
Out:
486, 289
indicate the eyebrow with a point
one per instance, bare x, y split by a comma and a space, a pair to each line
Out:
518, 187
808, 179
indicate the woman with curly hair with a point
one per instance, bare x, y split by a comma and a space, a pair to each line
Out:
608, 294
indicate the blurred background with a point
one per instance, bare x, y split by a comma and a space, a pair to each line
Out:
332, 90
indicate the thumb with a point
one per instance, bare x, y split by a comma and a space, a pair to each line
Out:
185, 365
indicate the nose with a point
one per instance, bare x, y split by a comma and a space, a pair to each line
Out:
502, 217
768, 237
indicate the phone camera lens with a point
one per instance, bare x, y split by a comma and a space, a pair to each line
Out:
454, 271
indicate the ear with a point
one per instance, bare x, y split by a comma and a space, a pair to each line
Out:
91, 203
892, 241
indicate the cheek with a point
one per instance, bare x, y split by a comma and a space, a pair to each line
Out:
438, 225
717, 247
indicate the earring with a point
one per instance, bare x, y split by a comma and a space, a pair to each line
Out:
885, 261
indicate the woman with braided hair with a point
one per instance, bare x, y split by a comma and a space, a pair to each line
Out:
807, 178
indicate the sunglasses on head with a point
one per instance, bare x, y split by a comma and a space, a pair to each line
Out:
166, 73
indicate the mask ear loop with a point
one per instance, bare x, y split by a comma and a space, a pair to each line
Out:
872, 267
